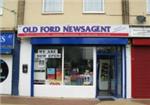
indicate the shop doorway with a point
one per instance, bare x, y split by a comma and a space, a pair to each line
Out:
109, 72
106, 75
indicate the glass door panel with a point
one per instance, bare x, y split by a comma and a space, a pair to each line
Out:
106, 81
109, 71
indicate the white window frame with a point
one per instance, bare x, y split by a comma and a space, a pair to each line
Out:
93, 11
49, 12
148, 6
1, 9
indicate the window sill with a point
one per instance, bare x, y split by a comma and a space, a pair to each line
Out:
148, 13
52, 13
93, 12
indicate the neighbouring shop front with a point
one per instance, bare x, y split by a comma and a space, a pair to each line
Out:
6, 61
73, 62
140, 62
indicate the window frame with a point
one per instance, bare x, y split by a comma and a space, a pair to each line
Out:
84, 11
1, 8
148, 6
49, 12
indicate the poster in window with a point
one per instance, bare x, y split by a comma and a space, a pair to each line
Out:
105, 66
58, 74
54, 76
41, 63
51, 74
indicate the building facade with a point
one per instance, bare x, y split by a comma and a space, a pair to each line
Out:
76, 47
9, 48
140, 39
83, 48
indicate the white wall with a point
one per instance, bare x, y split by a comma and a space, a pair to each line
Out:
128, 69
25, 58
6, 86
64, 91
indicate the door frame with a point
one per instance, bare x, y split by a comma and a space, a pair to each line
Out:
99, 55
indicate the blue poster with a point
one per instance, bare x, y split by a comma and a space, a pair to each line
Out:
51, 70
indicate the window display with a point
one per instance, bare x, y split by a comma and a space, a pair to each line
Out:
48, 65
78, 66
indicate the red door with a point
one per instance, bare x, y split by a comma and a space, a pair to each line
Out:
141, 72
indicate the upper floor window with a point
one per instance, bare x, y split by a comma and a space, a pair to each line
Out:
148, 6
1, 5
52, 6
93, 6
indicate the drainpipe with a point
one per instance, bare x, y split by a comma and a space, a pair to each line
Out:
125, 12
21, 11
16, 50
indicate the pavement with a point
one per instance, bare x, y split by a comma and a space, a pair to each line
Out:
16, 100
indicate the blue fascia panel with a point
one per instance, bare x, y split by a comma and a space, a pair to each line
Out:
81, 41
5, 51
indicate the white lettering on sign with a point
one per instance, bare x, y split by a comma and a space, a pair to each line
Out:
2, 39
48, 53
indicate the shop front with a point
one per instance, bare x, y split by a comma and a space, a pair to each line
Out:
73, 64
6, 61
140, 62
140, 68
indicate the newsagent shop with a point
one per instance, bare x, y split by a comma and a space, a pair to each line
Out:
78, 61
9, 74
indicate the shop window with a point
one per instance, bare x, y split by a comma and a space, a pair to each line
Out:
148, 6
93, 6
78, 65
52, 6
48, 65
1, 5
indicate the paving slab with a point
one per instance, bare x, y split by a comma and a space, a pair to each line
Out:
120, 102
12, 104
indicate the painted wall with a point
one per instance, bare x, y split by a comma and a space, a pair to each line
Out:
73, 13
25, 78
8, 19
138, 7
65, 91
5, 86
